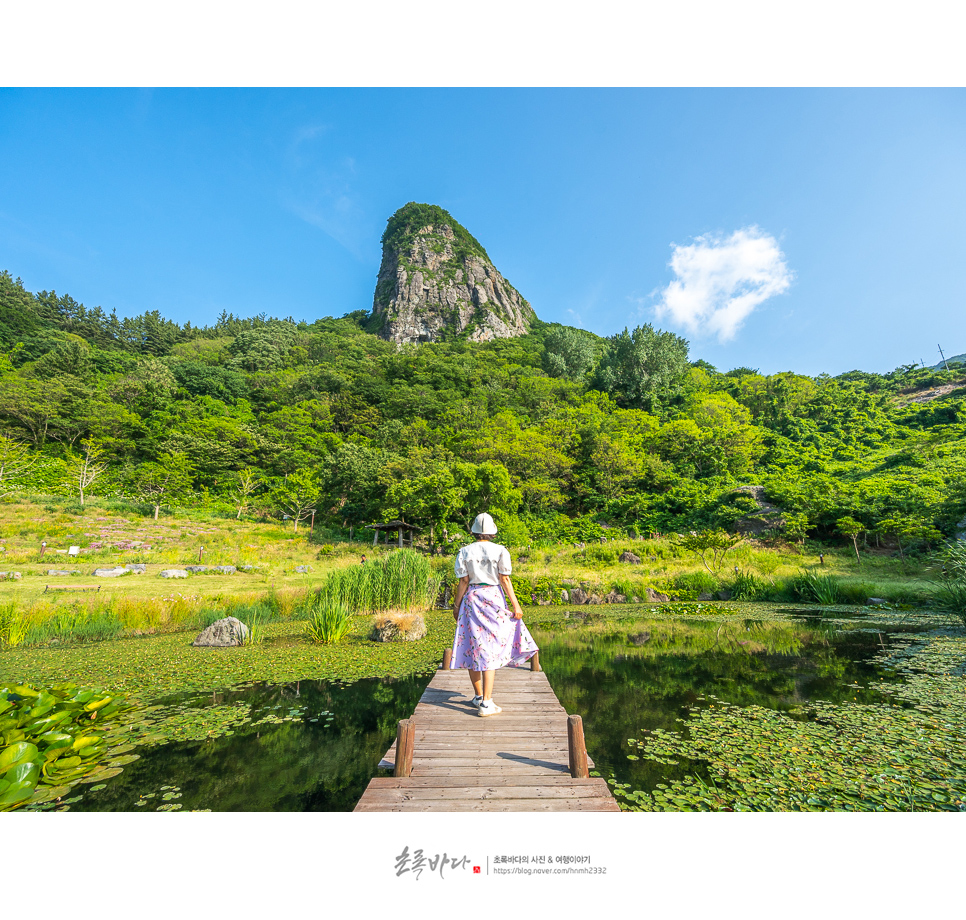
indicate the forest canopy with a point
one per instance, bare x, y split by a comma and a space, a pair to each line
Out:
558, 433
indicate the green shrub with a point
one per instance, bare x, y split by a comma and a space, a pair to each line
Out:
747, 587
812, 587
688, 586
329, 621
856, 592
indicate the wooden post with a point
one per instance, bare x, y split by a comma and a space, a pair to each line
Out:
312, 527
405, 735
578, 751
399, 536
375, 537
447, 658
535, 662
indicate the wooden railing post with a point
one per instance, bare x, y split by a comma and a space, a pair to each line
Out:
578, 750
535, 662
447, 658
405, 736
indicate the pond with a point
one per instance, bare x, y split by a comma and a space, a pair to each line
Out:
303, 746
803, 712
768, 709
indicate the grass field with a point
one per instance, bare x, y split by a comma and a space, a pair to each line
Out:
39, 608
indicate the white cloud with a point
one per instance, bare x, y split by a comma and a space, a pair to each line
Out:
721, 281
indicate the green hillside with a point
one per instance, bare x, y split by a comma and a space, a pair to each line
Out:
559, 433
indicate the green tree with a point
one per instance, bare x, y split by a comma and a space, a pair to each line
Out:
569, 352
167, 480
851, 528
711, 545
644, 369
16, 460
297, 496
86, 467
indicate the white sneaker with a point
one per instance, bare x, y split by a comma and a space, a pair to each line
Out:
477, 700
489, 708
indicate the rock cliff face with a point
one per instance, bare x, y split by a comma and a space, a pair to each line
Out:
436, 281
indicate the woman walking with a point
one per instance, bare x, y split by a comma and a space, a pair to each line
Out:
488, 635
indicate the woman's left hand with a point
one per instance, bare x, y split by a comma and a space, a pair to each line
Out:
518, 614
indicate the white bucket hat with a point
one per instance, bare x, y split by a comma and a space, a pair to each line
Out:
484, 525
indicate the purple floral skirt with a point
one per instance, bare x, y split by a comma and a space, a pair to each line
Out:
488, 636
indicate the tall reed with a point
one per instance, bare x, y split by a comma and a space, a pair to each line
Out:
403, 580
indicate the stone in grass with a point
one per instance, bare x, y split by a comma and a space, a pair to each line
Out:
303, 569
222, 634
196, 568
57, 572
136, 568
173, 573
655, 597
705, 596
614, 597
398, 627
224, 569
629, 558
875, 601
111, 573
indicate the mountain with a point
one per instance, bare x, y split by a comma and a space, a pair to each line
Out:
436, 282
955, 359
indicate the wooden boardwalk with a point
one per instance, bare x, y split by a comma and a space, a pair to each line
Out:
517, 760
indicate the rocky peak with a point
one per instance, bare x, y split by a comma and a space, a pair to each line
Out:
436, 281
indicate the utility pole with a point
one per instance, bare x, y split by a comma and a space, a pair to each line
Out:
945, 365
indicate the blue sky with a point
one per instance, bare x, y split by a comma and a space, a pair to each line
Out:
785, 229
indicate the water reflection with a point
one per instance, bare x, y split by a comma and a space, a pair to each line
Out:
316, 747
626, 679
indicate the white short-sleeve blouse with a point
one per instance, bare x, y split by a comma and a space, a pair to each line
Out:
482, 562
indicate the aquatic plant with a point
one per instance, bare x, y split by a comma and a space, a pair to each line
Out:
53, 738
748, 587
402, 580
949, 589
820, 589
329, 622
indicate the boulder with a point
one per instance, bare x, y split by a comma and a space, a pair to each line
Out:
111, 573
594, 599
303, 569
875, 601
225, 569
4, 576
565, 597
173, 573
705, 596
656, 597
578, 596
196, 568
222, 634
614, 598
630, 558
398, 627
56, 572
135, 568
724, 595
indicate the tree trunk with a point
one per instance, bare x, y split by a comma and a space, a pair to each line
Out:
855, 543
157, 509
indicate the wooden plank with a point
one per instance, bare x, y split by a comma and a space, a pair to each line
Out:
537, 805
517, 760
551, 779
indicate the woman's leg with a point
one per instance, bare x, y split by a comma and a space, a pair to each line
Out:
488, 684
476, 679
